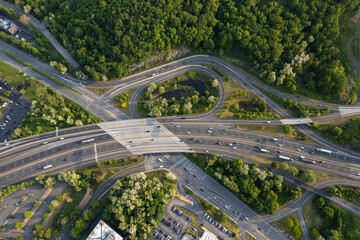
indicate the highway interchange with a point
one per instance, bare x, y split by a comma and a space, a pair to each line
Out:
25, 158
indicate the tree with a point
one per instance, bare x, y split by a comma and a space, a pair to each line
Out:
28, 214
288, 222
161, 90
308, 176
152, 88
221, 216
211, 99
214, 83
27, 9
94, 204
327, 212
19, 225
337, 131
24, 19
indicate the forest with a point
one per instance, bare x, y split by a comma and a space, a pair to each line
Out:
292, 46
347, 134
338, 224
254, 185
137, 203
51, 109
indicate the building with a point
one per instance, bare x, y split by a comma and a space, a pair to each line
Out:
8, 26
102, 231
208, 235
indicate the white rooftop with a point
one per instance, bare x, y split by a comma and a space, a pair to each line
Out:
103, 232
208, 235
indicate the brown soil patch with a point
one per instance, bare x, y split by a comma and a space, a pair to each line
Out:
86, 198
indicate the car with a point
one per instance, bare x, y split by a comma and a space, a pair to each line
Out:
202, 189
230, 144
62, 138
161, 166
321, 162
210, 128
201, 224
209, 131
177, 126
214, 134
225, 130
158, 126
170, 219
217, 143
195, 230
234, 147
357, 174
199, 141
187, 181
206, 151
268, 121
147, 131
188, 133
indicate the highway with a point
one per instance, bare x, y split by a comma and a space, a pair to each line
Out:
30, 154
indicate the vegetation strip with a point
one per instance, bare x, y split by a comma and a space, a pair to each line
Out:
39, 71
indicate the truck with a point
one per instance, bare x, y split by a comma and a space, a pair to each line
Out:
285, 158
47, 166
264, 150
323, 150
88, 140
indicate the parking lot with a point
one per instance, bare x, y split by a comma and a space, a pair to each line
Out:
173, 225
12, 115
21, 201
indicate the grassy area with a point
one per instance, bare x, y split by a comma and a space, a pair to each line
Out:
312, 216
161, 175
283, 226
192, 216
98, 90
39, 71
249, 237
122, 101
228, 223
16, 78
248, 108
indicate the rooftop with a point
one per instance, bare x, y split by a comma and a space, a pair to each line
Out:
102, 231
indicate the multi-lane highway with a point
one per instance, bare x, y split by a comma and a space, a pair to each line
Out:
26, 157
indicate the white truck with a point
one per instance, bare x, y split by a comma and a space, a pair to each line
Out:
88, 140
264, 150
323, 150
47, 166
285, 158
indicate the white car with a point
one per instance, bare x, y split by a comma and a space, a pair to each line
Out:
234, 147
268, 121
209, 131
